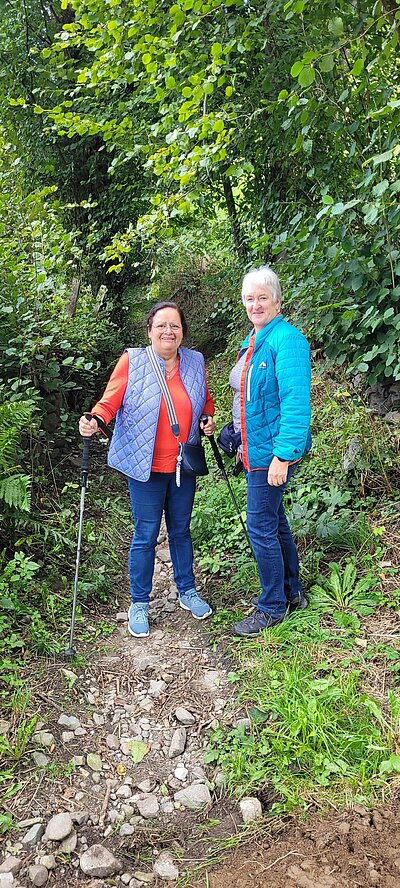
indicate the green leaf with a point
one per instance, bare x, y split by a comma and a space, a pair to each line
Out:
335, 26
216, 50
296, 68
382, 158
306, 76
138, 750
327, 62
357, 68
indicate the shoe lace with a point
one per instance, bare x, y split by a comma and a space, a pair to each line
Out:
140, 612
192, 595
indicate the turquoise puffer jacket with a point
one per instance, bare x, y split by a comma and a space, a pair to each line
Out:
275, 395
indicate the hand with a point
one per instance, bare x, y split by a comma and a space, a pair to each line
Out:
277, 472
87, 428
207, 425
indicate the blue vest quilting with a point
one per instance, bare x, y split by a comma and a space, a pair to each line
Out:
132, 446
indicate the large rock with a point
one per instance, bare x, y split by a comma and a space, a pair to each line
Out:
165, 868
97, 861
251, 809
59, 827
195, 796
7, 880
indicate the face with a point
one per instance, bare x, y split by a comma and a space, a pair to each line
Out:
166, 332
260, 307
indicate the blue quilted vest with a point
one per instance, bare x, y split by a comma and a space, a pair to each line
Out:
132, 446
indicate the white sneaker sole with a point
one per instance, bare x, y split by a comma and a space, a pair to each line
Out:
138, 634
186, 608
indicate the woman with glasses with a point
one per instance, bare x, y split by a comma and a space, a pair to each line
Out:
145, 448
271, 383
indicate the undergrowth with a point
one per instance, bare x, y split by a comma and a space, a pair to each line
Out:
321, 731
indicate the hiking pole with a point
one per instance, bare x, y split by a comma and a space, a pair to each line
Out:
70, 652
220, 464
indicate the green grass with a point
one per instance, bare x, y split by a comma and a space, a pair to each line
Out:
314, 731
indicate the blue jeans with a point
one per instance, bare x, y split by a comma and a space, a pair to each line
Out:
149, 499
273, 545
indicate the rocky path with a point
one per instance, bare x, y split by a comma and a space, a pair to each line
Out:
116, 792
118, 780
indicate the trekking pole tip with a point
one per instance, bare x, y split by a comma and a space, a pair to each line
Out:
69, 653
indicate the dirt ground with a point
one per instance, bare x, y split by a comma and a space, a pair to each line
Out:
349, 850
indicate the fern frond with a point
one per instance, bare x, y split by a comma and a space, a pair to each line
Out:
16, 492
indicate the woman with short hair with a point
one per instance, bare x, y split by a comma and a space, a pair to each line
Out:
271, 382
145, 448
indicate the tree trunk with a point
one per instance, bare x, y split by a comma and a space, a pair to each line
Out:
232, 213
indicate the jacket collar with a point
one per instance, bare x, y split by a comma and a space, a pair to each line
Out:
262, 335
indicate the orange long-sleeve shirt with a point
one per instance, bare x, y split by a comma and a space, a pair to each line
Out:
166, 445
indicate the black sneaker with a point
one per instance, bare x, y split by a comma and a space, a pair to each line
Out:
256, 622
294, 604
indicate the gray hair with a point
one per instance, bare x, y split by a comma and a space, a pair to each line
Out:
264, 277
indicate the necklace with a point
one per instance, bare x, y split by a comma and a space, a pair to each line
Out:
170, 373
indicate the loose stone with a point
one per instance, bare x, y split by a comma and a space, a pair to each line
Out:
38, 875
97, 861
144, 878
195, 796
33, 836
124, 792
251, 809
11, 864
67, 736
165, 868
69, 721
185, 717
148, 806
47, 860
69, 844
7, 880
40, 759
59, 827
43, 738
112, 741
178, 742
181, 772
126, 830
156, 688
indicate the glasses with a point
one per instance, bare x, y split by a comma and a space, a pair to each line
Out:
173, 327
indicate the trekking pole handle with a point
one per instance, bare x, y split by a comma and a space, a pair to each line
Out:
86, 456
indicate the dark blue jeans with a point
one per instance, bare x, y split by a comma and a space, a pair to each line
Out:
272, 542
149, 499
